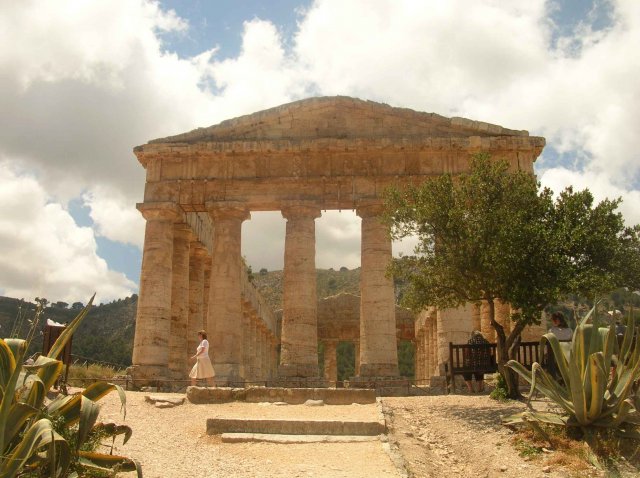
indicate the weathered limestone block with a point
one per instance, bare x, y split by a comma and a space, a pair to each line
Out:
153, 318
299, 338
224, 318
378, 350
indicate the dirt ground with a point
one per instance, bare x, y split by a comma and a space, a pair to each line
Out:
429, 436
172, 443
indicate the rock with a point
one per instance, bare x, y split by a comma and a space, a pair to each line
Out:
408, 434
546, 469
160, 399
314, 403
280, 404
503, 468
164, 405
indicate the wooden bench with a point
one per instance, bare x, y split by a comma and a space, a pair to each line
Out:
528, 352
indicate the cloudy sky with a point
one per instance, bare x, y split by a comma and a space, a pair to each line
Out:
83, 82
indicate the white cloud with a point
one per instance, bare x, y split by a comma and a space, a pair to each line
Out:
42, 250
114, 217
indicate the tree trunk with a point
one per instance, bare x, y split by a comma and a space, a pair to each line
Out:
502, 353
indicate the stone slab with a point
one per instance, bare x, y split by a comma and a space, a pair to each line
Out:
216, 426
293, 439
173, 401
292, 396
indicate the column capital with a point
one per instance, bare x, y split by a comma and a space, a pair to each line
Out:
228, 210
181, 228
366, 209
160, 211
300, 211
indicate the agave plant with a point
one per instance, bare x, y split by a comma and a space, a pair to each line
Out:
33, 429
599, 378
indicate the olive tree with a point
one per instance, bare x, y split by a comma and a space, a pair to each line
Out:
496, 234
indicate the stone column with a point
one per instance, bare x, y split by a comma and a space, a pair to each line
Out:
246, 341
265, 353
259, 351
476, 316
378, 351
299, 352
435, 366
224, 316
503, 315
486, 328
178, 353
153, 317
205, 290
253, 339
196, 287
330, 361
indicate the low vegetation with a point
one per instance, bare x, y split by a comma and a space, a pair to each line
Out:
595, 391
55, 437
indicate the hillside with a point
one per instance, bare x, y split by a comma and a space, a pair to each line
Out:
329, 282
105, 335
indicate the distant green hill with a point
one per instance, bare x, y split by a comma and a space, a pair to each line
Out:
105, 335
329, 282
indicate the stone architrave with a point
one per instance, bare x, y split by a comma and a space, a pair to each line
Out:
224, 317
153, 317
378, 351
196, 295
178, 353
330, 361
299, 338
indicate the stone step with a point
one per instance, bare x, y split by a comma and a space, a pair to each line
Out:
292, 439
293, 396
216, 426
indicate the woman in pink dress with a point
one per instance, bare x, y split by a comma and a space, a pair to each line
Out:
203, 367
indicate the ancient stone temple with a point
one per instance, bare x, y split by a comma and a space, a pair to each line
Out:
301, 159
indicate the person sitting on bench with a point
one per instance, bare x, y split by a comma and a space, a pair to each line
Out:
478, 358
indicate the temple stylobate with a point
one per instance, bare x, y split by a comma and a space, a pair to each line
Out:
300, 158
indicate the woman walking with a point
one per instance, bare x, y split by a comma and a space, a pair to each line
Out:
203, 367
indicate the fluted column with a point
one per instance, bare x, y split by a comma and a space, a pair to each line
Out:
153, 317
299, 352
178, 354
378, 351
224, 316
198, 255
253, 344
330, 361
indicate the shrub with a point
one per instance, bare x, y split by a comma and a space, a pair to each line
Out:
598, 379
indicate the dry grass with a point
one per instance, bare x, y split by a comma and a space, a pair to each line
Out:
82, 375
567, 449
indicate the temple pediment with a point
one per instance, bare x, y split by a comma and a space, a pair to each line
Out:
338, 117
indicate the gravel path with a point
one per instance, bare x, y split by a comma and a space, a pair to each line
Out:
458, 435
172, 443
